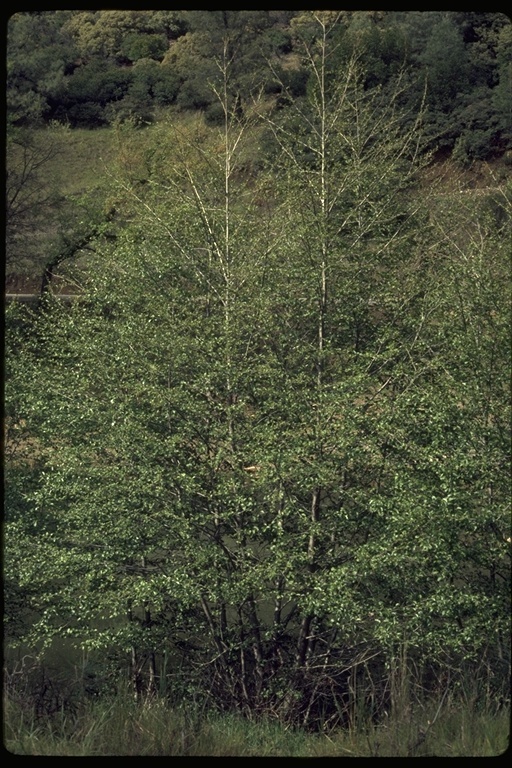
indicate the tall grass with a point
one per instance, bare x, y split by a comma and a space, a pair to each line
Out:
120, 726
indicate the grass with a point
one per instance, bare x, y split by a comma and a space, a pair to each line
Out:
121, 727
81, 158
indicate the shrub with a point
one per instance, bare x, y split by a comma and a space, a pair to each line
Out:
279, 41
194, 94
214, 114
97, 83
138, 111
138, 46
166, 88
290, 83
85, 115
160, 82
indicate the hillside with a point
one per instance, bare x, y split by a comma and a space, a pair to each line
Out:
83, 161
94, 72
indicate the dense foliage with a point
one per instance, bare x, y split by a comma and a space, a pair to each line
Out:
92, 67
263, 461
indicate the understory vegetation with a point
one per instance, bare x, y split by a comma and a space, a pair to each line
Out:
119, 727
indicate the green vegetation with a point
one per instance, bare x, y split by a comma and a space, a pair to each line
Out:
92, 67
119, 727
257, 471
